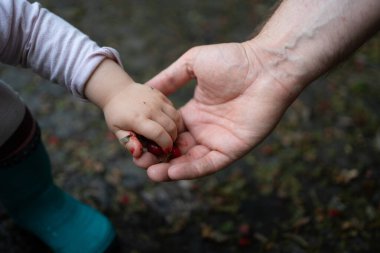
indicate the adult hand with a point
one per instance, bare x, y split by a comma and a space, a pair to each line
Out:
236, 104
243, 89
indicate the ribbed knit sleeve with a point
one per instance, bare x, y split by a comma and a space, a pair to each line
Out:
33, 37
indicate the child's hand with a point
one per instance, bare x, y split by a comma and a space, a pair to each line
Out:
132, 108
145, 111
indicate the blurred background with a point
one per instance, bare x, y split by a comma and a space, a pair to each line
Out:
312, 186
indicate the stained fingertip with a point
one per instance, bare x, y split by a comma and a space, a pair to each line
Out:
166, 146
134, 146
132, 150
136, 152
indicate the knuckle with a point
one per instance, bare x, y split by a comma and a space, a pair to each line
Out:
171, 78
159, 133
172, 127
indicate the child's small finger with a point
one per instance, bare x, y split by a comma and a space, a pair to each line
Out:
174, 114
180, 124
130, 142
156, 133
167, 123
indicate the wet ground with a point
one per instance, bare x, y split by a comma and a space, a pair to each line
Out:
312, 186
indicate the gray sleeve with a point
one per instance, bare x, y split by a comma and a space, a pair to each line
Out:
35, 38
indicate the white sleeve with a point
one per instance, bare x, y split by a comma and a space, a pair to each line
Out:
36, 38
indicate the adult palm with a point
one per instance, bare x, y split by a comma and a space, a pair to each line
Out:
236, 104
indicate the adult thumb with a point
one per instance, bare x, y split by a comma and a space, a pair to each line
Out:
177, 74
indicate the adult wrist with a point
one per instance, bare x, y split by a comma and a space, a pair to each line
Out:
288, 67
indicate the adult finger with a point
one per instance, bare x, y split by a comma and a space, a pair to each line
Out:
153, 131
177, 74
207, 164
145, 160
198, 162
159, 172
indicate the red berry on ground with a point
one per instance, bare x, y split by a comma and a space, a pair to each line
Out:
244, 242
53, 140
124, 199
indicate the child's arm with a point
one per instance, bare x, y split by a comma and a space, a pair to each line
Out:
129, 106
33, 37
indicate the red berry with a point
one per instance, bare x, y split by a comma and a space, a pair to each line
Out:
154, 149
175, 152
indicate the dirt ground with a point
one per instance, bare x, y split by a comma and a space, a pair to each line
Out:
312, 186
